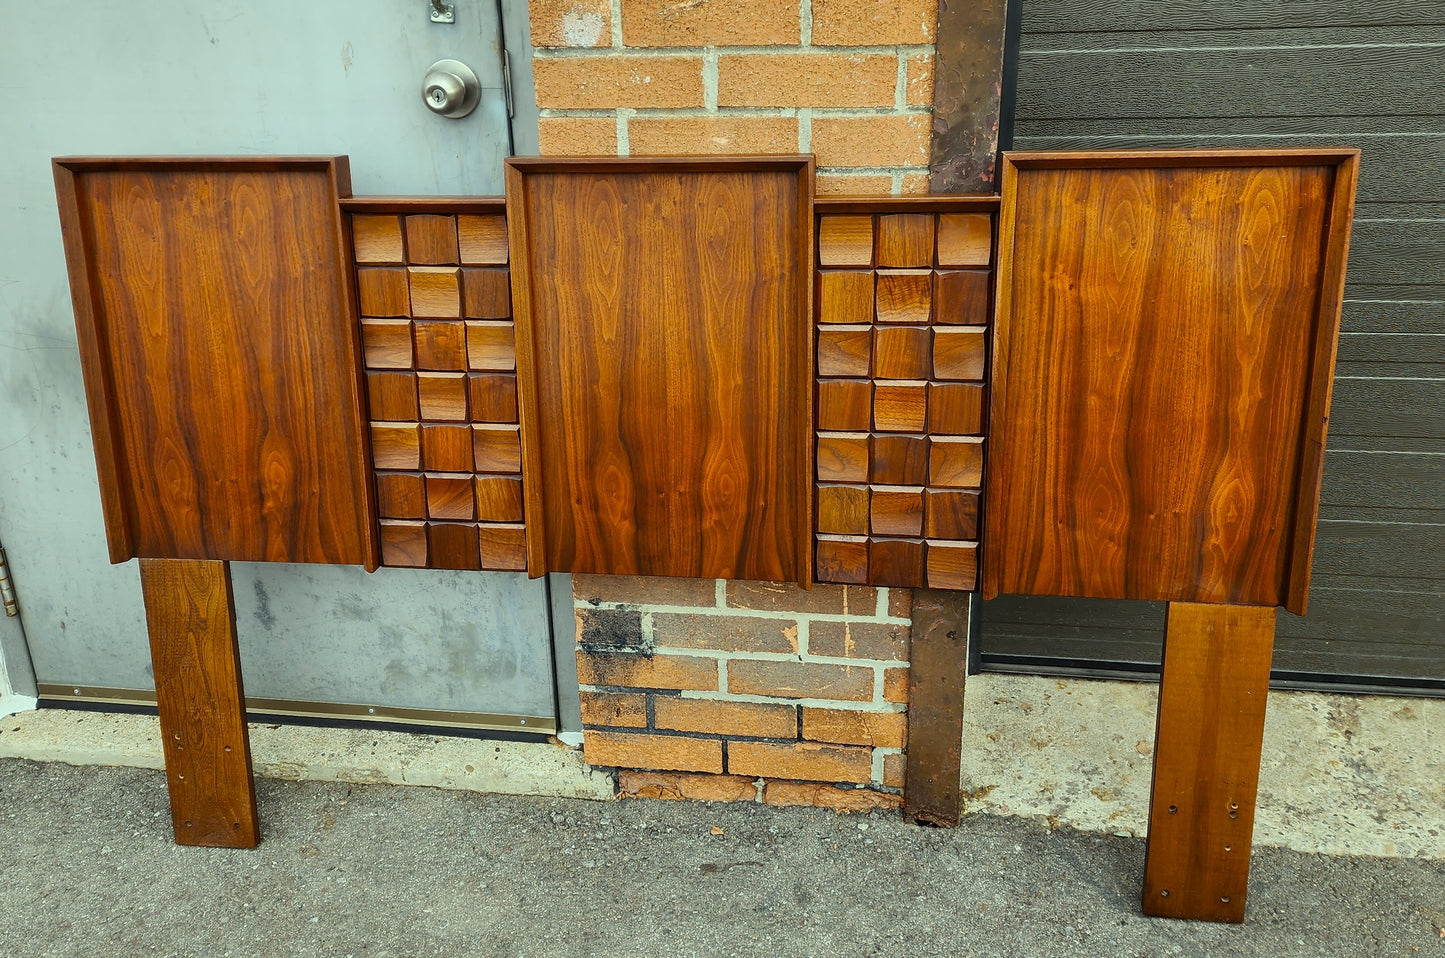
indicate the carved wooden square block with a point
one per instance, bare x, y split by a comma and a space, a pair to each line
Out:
382, 291
435, 291
493, 397
431, 240
904, 296
958, 353
965, 239
446, 447
896, 511
395, 445
845, 405
842, 559
845, 296
386, 343
487, 293
845, 241
905, 239
377, 239
443, 396
400, 495
391, 396
492, 346
483, 239
900, 406
902, 352
899, 460
845, 351
842, 457
450, 497
843, 510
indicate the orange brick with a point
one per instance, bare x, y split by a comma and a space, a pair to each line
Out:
915, 184
724, 632
638, 750
806, 761
844, 727
726, 718
856, 23
920, 80
871, 140
577, 136
571, 23
895, 768
786, 597
859, 640
644, 590
800, 680
628, 709
895, 685
655, 23
599, 83
679, 785
712, 134
795, 79
834, 184
827, 796
635, 670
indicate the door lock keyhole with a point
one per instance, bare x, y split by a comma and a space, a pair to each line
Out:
451, 89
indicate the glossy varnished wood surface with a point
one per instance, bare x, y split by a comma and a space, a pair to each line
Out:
214, 305
1163, 353
1206, 760
664, 325
191, 617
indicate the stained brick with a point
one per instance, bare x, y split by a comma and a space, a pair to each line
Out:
609, 628
640, 671
895, 770
644, 590
680, 785
712, 134
627, 709
846, 727
654, 23
724, 632
865, 22
665, 752
577, 135
920, 80
786, 597
859, 640
794, 79
726, 718
805, 761
599, 83
900, 603
800, 680
895, 685
827, 796
570, 23
915, 184
872, 140
834, 184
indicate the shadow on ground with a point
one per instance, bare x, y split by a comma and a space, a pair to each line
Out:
87, 867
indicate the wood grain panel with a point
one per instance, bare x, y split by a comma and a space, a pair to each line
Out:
450, 498
845, 405
483, 239
843, 559
502, 547
391, 395
395, 445
191, 617
499, 499
952, 565
215, 308
446, 447
902, 352
435, 291
486, 293
1163, 354
387, 343
900, 406
895, 511
958, 353
965, 239
905, 239
1206, 760
845, 296
453, 545
431, 239
377, 239
403, 543
899, 460
440, 344
382, 292
842, 457
950, 514
491, 346
904, 296
843, 510
493, 397
960, 297
896, 563
496, 448
845, 241
666, 298
955, 408
400, 495
442, 396
845, 351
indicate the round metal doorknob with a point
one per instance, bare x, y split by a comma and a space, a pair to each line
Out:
451, 89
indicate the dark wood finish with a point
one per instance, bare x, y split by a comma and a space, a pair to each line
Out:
717, 285
845, 296
842, 457
968, 85
450, 497
938, 653
960, 297
440, 344
382, 291
483, 239
900, 406
493, 397
391, 395
1206, 760
952, 565
843, 510
400, 495
958, 353
845, 241
503, 548
387, 343
905, 240
431, 239
191, 618
965, 239
896, 511
499, 498
435, 291
897, 563
404, 543
492, 346
904, 296
955, 409
377, 239
843, 559
1205, 324
453, 545
215, 311
902, 352
899, 460
486, 293
950, 514
845, 351
442, 396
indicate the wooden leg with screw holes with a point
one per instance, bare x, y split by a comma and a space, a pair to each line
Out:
935, 706
192, 623
1206, 760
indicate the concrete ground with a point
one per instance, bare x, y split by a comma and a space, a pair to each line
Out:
87, 867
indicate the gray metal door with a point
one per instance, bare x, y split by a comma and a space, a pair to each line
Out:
238, 76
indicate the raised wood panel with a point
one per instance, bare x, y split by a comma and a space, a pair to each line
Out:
1122, 413
842, 457
431, 239
905, 239
377, 239
214, 305
627, 273
483, 239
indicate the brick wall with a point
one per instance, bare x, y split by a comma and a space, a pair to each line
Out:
850, 81
745, 691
